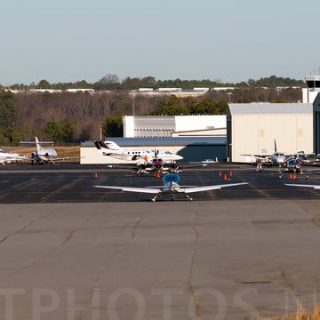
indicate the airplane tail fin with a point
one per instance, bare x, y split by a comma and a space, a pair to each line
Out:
38, 146
110, 148
110, 145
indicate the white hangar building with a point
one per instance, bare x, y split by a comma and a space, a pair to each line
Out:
253, 128
174, 126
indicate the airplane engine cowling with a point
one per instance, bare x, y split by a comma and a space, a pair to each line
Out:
157, 163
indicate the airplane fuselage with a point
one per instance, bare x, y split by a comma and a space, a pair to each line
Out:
278, 158
43, 156
109, 148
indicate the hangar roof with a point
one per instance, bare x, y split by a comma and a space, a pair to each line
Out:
165, 141
270, 108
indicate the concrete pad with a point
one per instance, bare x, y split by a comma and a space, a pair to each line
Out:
202, 260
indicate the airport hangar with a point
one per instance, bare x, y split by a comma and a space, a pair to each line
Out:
251, 129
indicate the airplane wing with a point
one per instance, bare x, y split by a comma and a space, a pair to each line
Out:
263, 156
305, 169
314, 186
132, 189
207, 188
123, 166
12, 159
44, 158
192, 165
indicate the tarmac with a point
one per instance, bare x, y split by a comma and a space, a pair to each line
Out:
73, 183
70, 251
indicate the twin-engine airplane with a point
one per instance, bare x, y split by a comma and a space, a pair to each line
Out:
110, 148
274, 159
143, 161
44, 155
155, 161
171, 187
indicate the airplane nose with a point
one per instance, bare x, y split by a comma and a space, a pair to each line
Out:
179, 157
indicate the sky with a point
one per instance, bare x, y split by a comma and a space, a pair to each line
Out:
227, 40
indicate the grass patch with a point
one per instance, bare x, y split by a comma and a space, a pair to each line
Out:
301, 314
71, 151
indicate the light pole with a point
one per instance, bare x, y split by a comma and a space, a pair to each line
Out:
133, 102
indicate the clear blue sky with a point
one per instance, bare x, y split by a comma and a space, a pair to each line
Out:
231, 40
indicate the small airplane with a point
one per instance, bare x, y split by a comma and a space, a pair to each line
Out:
171, 187
274, 159
7, 157
110, 148
44, 155
311, 159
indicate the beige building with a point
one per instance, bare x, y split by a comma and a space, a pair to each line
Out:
255, 127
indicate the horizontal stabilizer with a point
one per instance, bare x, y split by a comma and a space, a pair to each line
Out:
32, 142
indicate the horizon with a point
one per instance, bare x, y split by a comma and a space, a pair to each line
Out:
156, 79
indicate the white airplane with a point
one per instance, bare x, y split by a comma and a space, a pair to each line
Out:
171, 187
314, 186
44, 155
274, 159
6, 157
110, 148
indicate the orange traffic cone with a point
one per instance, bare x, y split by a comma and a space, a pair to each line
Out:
230, 174
225, 178
220, 174
96, 175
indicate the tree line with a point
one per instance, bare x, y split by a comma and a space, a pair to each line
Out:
72, 117
113, 82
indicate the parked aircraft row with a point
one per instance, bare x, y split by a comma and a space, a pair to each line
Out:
167, 163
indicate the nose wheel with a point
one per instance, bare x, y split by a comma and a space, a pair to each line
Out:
155, 198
